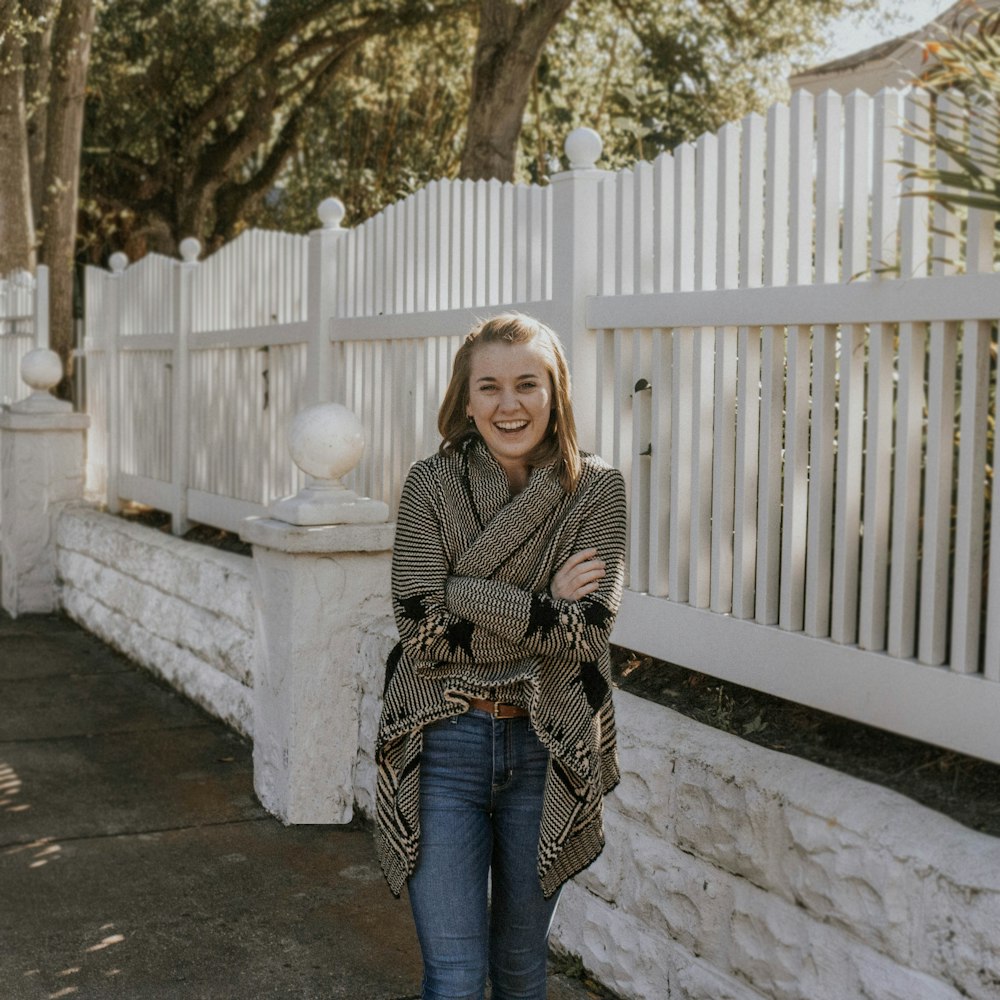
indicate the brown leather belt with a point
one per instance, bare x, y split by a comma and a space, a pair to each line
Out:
497, 708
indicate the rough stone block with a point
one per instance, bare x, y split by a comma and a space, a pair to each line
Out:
220, 582
624, 953
216, 640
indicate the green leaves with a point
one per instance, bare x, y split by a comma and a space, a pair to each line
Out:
962, 87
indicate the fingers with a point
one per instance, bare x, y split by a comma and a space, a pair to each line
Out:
584, 555
579, 576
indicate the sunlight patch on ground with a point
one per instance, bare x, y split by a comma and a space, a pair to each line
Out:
45, 851
10, 788
107, 942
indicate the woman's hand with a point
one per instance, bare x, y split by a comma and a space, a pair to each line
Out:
580, 575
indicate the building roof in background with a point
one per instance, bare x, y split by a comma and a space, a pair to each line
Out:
892, 63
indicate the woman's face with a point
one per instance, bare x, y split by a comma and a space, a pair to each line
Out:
510, 400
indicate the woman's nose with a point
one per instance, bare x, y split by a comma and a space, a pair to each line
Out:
509, 400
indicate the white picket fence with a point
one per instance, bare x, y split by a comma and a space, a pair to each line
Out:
791, 364
24, 325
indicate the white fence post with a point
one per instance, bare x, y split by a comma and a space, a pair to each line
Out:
117, 262
322, 298
574, 269
181, 396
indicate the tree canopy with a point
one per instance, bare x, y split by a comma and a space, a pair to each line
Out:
197, 110
204, 118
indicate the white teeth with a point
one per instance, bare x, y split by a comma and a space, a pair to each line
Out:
512, 425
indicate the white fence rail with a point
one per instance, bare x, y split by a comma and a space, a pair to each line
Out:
24, 325
778, 350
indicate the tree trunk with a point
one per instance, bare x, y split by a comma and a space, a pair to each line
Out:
17, 232
70, 59
511, 37
37, 76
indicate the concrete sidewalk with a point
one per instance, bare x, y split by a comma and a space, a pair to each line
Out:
135, 861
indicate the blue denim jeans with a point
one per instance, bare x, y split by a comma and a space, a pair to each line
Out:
476, 898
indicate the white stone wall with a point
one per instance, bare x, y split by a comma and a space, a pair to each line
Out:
373, 648
731, 872
182, 610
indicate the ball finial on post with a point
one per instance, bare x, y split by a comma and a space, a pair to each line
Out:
190, 248
583, 148
42, 370
326, 441
331, 213
118, 262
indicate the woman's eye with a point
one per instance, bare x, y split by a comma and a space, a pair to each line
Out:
527, 386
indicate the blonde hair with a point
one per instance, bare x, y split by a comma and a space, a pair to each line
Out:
559, 444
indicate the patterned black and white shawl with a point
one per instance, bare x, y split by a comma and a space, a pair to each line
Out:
470, 575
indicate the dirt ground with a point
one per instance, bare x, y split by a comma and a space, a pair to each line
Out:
962, 787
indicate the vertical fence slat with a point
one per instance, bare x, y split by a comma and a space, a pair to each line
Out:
642, 228
618, 416
456, 217
659, 473
681, 422
748, 372
641, 450
791, 610
970, 500
624, 243
604, 392
819, 530
969, 541
851, 404
901, 640
663, 230
703, 380
939, 462
772, 373
724, 418
879, 417
442, 256
932, 646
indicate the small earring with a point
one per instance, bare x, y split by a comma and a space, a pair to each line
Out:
470, 419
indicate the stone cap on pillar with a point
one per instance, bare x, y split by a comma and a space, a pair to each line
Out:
42, 370
326, 442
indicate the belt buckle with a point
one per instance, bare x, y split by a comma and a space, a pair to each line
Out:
496, 710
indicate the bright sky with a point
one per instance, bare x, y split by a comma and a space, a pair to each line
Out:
849, 36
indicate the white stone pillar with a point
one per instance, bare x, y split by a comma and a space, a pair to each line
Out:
321, 557
41, 469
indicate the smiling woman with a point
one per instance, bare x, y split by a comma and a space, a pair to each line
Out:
497, 737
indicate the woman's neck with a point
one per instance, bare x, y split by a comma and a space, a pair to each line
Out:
517, 478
